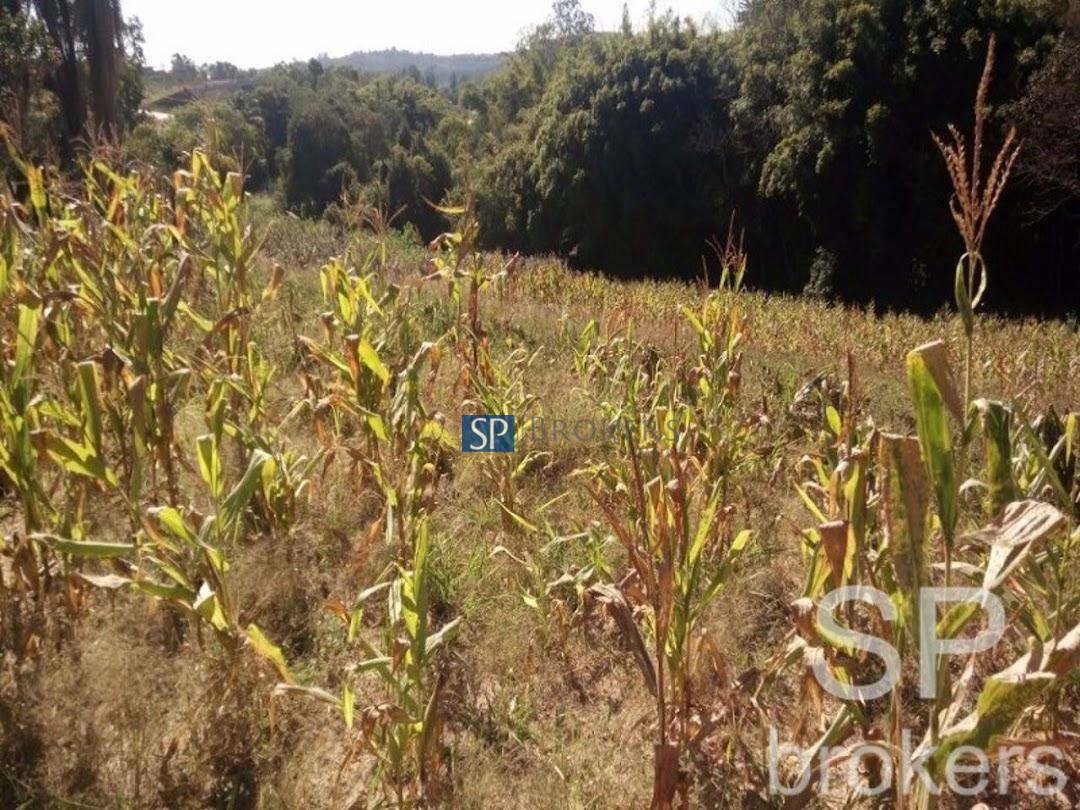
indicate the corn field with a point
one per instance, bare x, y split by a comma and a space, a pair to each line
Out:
189, 425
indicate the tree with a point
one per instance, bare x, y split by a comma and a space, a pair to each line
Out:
235, 143
812, 119
24, 64
1049, 121
75, 50
65, 80
315, 70
570, 20
101, 32
319, 164
619, 165
183, 67
219, 71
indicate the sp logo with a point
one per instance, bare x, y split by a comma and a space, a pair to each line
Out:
487, 433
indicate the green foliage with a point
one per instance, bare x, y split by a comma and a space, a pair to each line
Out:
319, 164
235, 142
813, 120
69, 70
611, 168
375, 141
835, 111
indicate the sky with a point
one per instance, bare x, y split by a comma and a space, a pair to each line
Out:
260, 33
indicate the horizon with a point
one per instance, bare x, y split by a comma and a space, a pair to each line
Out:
335, 28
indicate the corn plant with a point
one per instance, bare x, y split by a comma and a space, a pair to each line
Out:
560, 597
183, 555
718, 437
468, 276
281, 496
353, 334
403, 730
878, 527
506, 393
731, 257
209, 217
376, 389
672, 525
973, 201
19, 421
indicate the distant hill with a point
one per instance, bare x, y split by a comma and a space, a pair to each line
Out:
444, 68
176, 94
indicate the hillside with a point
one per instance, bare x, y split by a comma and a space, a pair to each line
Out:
442, 68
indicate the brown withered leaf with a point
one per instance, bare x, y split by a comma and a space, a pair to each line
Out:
617, 608
1012, 536
834, 538
905, 497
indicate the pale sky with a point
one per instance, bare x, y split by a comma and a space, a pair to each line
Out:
260, 33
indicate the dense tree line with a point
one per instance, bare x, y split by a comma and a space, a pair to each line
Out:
625, 151
812, 120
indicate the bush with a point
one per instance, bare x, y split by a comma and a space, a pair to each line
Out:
236, 143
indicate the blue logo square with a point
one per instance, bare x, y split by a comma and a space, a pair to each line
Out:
487, 433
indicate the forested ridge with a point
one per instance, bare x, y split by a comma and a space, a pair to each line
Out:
809, 122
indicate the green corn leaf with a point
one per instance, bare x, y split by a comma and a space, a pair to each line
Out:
935, 438
695, 322
26, 340
380, 664
348, 704
530, 528
91, 404
832, 417
309, 691
1072, 435
378, 426
415, 595
208, 606
819, 516
169, 593
1046, 465
204, 324
210, 463
704, 529
963, 298
355, 617
1006, 695
242, 493
268, 650
173, 522
444, 635
370, 358
324, 355
996, 422
85, 549
78, 458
